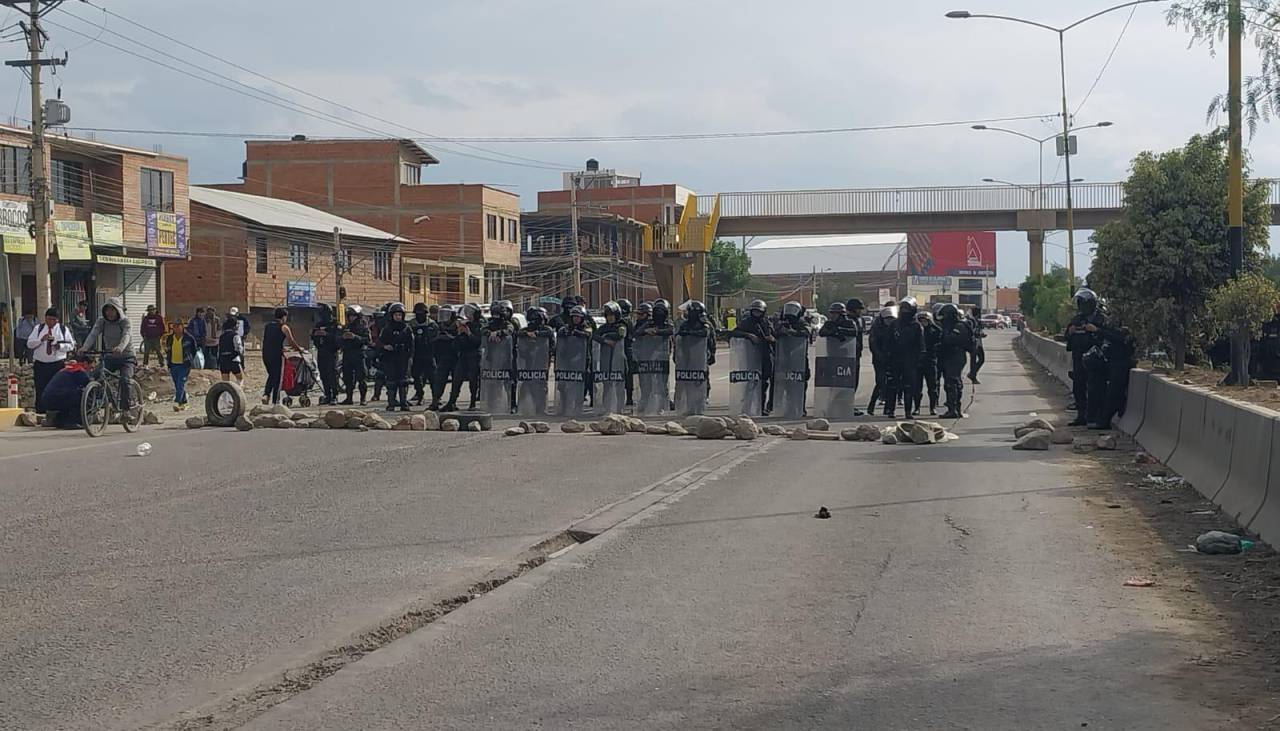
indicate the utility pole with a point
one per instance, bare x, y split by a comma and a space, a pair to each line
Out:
1066, 154
813, 289
39, 183
573, 228
339, 263
1235, 179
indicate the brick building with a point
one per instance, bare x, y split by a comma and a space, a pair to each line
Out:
119, 214
619, 193
378, 182
611, 258
258, 253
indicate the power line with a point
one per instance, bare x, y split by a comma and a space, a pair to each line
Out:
1106, 63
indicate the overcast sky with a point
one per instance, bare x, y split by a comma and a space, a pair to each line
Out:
561, 67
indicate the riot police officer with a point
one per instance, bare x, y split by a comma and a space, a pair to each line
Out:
696, 323
954, 346
794, 324
660, 322
1269, 348
562, 317
445, 353
500, 327
536, 325
880, 341
757, 328
928, 374
628, 319
904, 369
468, 336
325, 336
424, 335
355, 338
1118, 349
395, 341
979, 355
1083, 334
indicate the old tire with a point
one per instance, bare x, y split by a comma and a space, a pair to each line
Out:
223, 404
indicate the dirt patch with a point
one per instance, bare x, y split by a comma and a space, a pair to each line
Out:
1151, 517
1262, 393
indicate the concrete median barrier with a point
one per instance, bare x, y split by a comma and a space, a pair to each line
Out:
1266, 522
1050, 354
1159, 432
1136, 403
1242, 495
1205, 431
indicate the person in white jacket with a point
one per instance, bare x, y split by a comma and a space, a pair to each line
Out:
50, 343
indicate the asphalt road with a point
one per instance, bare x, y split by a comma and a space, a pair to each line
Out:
956, 586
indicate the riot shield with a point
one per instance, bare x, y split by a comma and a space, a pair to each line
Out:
745, 377
497, 361
788, 377
691, 374
653, 373
571, 372
835, 378
533, 358
610, 377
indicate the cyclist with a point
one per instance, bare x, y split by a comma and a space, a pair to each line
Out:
111, 335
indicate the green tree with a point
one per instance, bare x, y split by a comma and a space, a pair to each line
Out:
1240, 308
1271, 269
1040, 298
1157, 263
1206, 21
728, 269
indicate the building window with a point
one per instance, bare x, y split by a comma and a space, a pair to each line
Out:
433, 281
260, 254
299, 257
382, 265
513, 231
415, 283
410, 173
971, 300
15, 170
969, 285
157, 189
492, 226
68, 186
473, 285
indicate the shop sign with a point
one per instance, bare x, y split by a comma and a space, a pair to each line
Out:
72, 238
126, 261
300, 293
166, 235
108, 230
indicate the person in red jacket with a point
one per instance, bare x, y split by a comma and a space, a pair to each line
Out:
152, 330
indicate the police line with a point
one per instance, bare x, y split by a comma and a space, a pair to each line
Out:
1228, 450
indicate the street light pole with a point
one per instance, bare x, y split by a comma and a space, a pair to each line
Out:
1066, 115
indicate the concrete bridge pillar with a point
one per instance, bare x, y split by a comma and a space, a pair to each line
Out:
1035, 239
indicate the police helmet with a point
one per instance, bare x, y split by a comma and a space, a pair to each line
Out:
837, 309
353, 309
395, 307
758, 306
661, 304
907, 307
645, 307
694, 308
536, 315
1086, 301
578, 311
469, 311
924, 315
625, 305
567, 303
508, 307
419, 308
948, 312
445, 314
888, 312
326, 311
792, 309
612, 308
854, 304
496, 311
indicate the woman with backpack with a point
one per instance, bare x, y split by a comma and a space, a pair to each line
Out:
49, 343
231, 351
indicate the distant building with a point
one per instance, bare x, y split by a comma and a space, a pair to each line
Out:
378, 182
618, 193
611, 256
1008, 299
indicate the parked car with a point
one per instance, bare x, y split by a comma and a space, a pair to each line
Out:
992, 320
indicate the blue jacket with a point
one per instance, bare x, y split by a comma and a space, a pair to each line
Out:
196, 329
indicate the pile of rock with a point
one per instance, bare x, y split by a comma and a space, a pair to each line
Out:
528, 427
1038, 434
916, 432
282, 417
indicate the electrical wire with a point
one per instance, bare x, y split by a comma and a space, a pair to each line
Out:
1106, 63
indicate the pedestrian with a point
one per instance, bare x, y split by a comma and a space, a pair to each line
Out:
928, 375
274, 336
908, 350
197, 326
49, 344
954, 346
23, 331
242, 323
1083, 335
231, 351
80, 322
151, 330
326, 337
179, 351
979, 354
355, 337
212, 331
112, 336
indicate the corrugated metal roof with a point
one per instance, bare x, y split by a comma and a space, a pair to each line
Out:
284, 214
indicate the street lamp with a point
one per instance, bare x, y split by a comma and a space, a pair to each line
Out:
1040, 141
1066, 118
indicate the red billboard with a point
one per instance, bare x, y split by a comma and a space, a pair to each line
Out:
951, 254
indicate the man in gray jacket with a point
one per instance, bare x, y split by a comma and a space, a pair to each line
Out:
111, 335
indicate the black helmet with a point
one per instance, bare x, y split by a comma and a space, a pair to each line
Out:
758, 306
496, 311
1086, 301
694, 308
419, 308
536, 315
948, 312
326, 311
907, 307
661, 304
578, 311
792, 309
837, 309
568, 302
924, 315
625, 305
645, 307
612, 308
508, 308
854, 304
469, 312
395, 307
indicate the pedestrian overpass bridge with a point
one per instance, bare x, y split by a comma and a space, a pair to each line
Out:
676, 251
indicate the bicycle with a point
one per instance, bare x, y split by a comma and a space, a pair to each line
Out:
99, 404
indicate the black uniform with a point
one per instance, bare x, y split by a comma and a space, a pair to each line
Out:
954, 345
762, 328
928, 374
444, 349
904, 370
325, 336
424, 362
629, 344
467, 368
880, 341
979, 354
1119, 348
575, 330
1269, 349
504, 329
1080, 342
355, 336
794, 327
845, 327
395, 343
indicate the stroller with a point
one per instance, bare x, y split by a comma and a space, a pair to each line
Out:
298, 378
